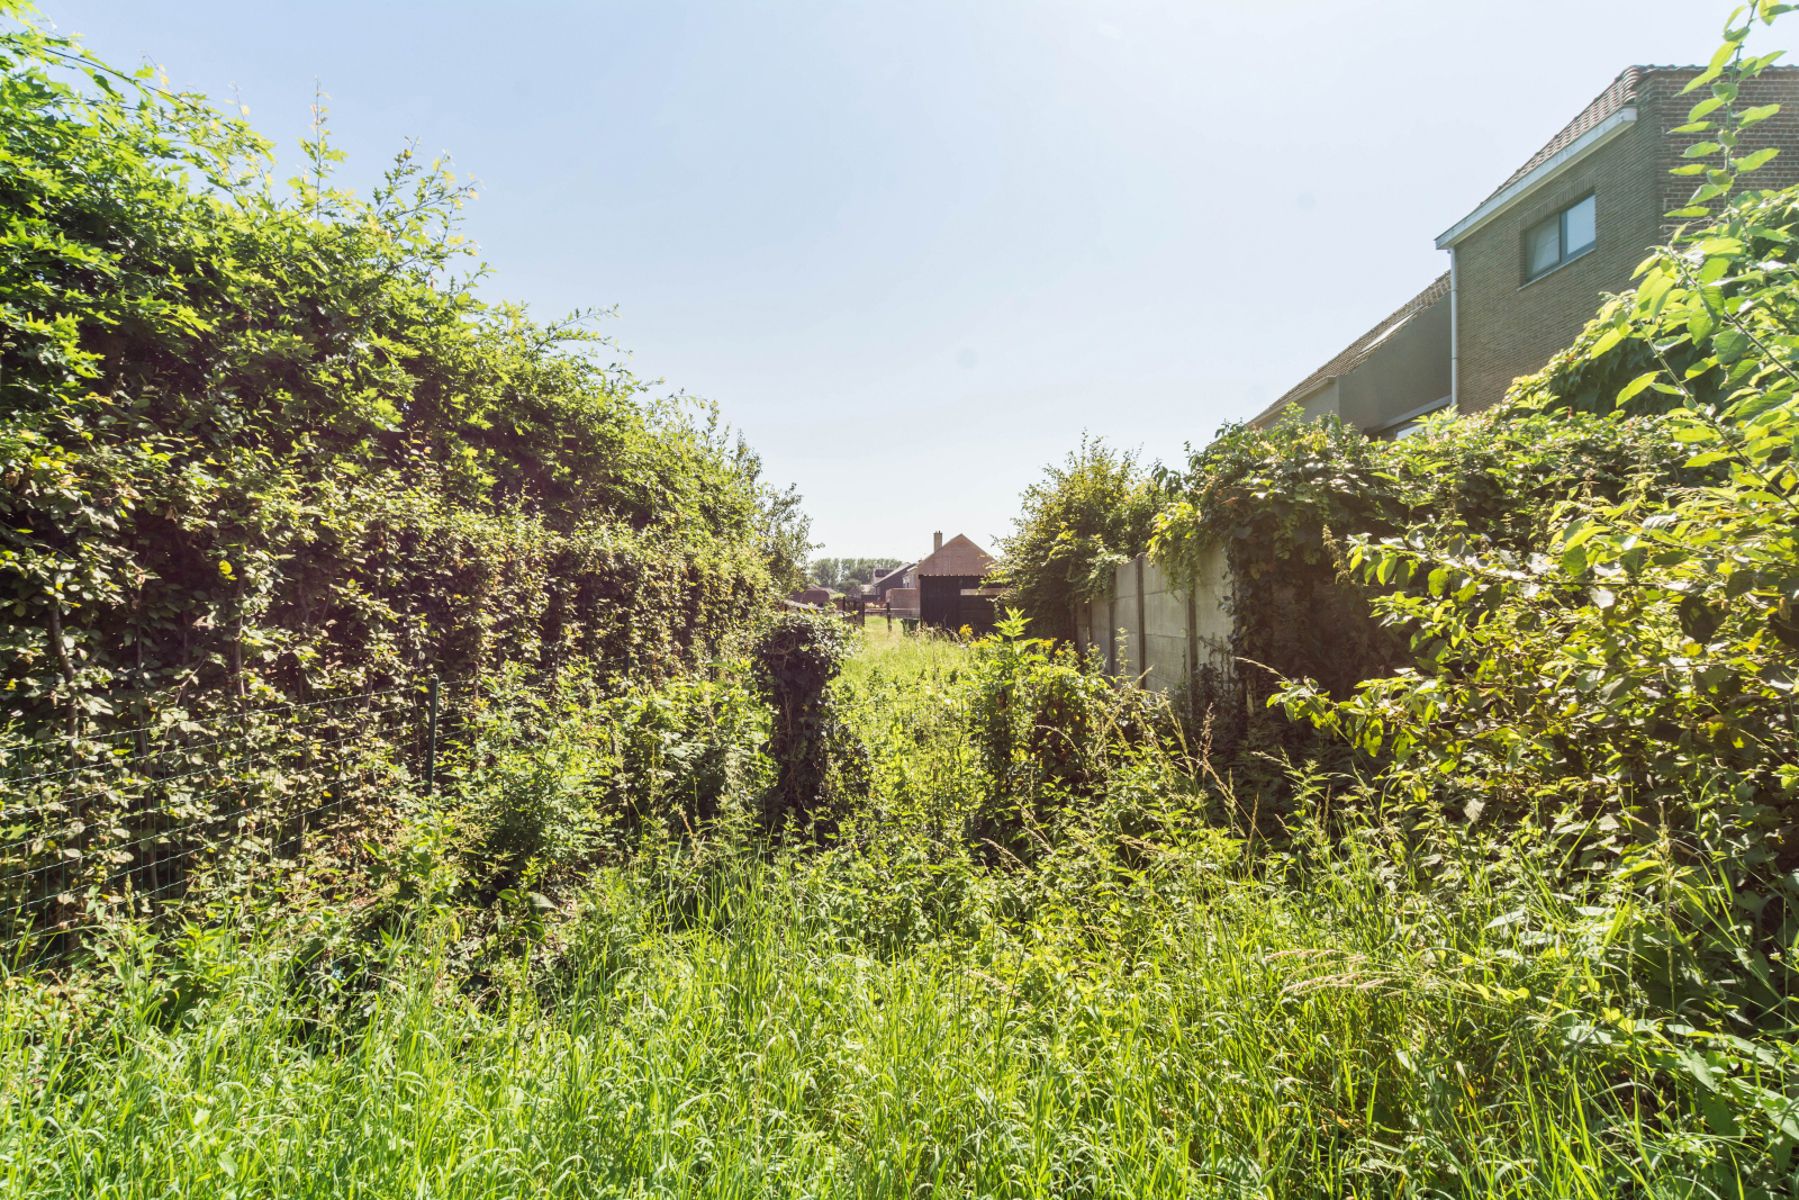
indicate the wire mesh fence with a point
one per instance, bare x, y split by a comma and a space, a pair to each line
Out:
133, 819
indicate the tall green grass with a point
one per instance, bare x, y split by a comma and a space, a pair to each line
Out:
1164, 1012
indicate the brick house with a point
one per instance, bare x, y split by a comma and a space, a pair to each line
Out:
1529, 264
885, 581
950, 591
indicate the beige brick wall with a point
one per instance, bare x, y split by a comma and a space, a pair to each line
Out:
1507, 327
1777, 87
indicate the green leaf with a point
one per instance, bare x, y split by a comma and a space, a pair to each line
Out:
1757, 114
1754, 162
1718, 1115
1630, 390
1701, 1071
1704, 108
1579, 533
1604, 343
1698, 620
1713, 70
1730, 345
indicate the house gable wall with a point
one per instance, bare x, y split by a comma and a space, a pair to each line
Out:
1507, 327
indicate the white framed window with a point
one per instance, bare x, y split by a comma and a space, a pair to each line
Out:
1560, 238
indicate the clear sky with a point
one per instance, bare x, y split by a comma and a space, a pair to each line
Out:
914, 248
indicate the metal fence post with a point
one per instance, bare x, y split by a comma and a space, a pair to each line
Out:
431, 741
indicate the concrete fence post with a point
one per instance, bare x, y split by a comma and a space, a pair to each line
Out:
1112, 629
1193, 643
1142, 663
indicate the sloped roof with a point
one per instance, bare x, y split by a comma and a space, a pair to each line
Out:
1618, 95
1623, 92
959, 556
1357, 352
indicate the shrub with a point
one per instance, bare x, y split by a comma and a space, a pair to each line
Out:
1078, 523
1051, 730
1617, 690
551, 779
262, 446
819, 764
268, 442
533, 781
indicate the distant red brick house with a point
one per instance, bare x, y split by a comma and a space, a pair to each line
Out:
886, 581
950, 585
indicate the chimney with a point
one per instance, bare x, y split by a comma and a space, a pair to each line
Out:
937, 541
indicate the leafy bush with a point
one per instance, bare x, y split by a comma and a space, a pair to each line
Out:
1153, 1006
819, 765
1285, 503
1634, 657
548, 780
267, 442
1052, 731
1078, 523
535, 802
263, 446
1617, 690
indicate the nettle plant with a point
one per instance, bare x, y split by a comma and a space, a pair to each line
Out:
1057, 739
1288, 504
1619, 691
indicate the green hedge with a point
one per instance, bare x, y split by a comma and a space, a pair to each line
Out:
264, 440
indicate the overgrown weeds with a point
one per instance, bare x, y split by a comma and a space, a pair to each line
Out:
1149, 1004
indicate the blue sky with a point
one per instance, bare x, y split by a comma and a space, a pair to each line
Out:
914, 248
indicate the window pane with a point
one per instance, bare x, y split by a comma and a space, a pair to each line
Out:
1542, 247
1579, 226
